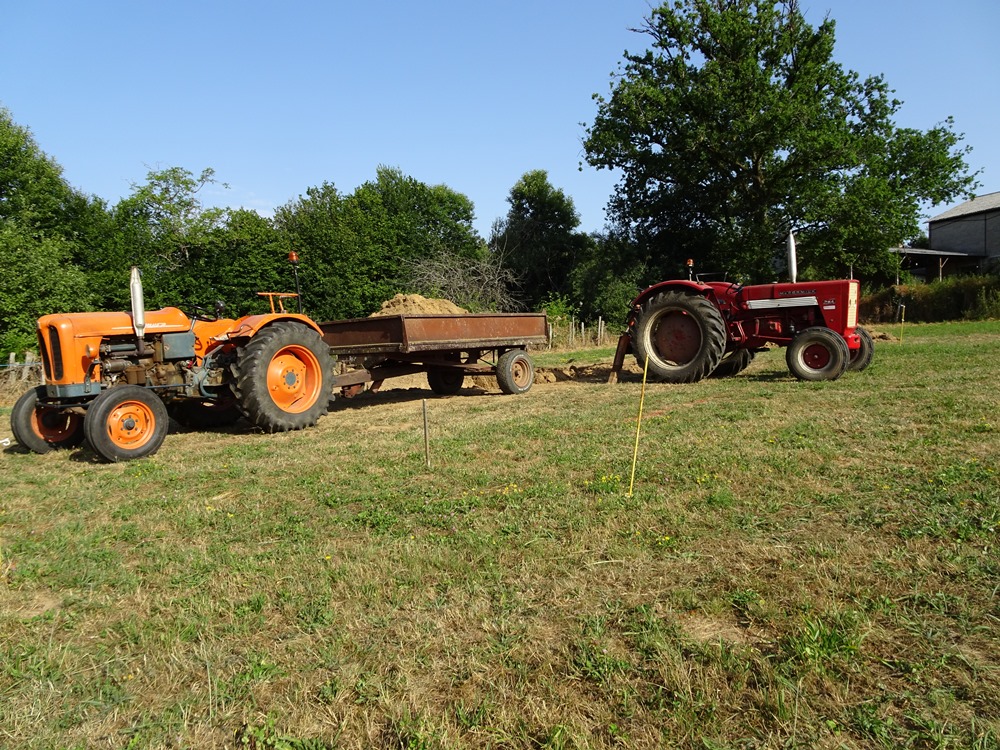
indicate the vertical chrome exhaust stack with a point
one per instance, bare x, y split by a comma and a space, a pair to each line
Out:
793, 270
138, 309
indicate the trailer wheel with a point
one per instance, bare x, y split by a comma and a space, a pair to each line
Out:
126, 422
444, 381
733, 363
683, 336
863, 355
198, 414
817, 353
40, 428
515, 372
283, 377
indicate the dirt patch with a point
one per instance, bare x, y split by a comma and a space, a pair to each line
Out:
415, 304
880, 335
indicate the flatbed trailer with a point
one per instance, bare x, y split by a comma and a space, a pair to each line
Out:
446, 347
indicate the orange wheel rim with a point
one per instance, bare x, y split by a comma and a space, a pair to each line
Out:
131, 425
54, 425
293, 379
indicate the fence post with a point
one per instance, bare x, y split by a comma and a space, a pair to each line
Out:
29, 361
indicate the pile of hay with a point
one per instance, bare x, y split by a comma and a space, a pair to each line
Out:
414, 304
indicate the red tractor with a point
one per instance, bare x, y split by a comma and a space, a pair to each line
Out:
690, 329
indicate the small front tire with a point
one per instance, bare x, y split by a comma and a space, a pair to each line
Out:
817, 353
126, 422
41, 428
861, 357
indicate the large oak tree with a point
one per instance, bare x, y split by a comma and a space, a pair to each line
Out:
738, 125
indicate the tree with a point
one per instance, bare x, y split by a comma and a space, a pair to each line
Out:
163, 229
44, 223
538, 239
356, 249
738, 125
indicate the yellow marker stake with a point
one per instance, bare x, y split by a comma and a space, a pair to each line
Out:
638, 424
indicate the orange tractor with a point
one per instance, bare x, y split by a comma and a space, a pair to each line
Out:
115, 379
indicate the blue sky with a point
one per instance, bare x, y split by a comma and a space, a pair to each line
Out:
281, 97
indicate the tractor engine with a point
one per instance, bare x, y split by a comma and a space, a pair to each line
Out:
85, 352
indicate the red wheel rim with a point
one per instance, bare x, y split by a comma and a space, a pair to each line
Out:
816, 356
677, 337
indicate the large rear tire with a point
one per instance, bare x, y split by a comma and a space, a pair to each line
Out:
198, 414
734, 363
863, 355
42, 428
126, 422
283, 376
682, 334
817, 353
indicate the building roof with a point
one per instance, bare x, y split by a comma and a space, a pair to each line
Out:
979, 204
932, 253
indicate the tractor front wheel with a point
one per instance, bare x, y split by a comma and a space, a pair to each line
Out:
682, 335
283, 377
126, 422
41, 428
863, 355
817, 353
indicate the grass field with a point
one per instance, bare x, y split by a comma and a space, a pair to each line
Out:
800, 565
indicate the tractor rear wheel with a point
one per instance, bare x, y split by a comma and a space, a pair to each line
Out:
683, 336
734, 363
862, 356
197, 414
41, 428
283, 377
126, 422
817, 353
444, 381
515, 372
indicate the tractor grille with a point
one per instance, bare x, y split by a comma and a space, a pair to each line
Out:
53, 356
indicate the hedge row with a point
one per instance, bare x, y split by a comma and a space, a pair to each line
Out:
955, 298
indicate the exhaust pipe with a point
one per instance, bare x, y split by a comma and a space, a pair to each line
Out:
793, 270
138, 309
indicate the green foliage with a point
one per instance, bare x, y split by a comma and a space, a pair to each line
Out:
356, 245
38, 279
952, 298
608, 277
43, 223
738, 125
539, 240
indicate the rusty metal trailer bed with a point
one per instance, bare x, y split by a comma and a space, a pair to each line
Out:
446, 347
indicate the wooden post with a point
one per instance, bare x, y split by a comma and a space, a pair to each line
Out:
427, 438
29, 361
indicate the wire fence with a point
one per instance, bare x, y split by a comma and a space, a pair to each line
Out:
27, 371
